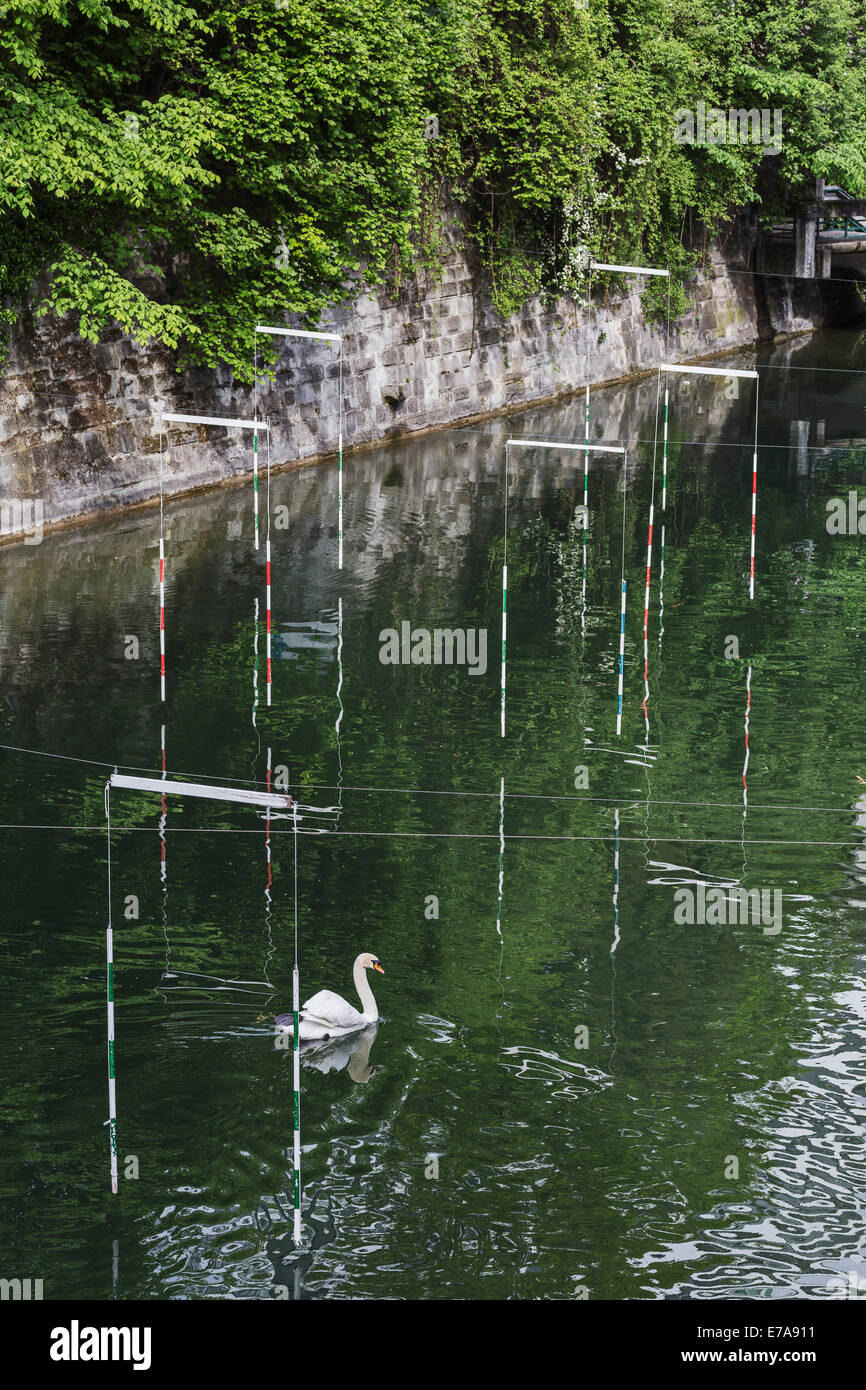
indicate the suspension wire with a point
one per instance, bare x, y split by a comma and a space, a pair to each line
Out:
436, 834
422, 791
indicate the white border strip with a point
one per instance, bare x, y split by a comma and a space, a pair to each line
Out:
218, 420
167, 788
707, 371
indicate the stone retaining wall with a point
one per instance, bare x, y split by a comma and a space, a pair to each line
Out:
79, 422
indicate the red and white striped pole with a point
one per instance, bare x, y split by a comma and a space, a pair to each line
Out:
223, 422
161, 618
268, 834
163, 818
268, 614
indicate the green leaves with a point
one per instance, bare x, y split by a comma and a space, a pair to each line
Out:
91, 288
255, 152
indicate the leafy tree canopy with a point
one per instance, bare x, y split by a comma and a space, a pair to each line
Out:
187, 168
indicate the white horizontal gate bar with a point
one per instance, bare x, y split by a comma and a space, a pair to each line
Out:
167, 788
260, 425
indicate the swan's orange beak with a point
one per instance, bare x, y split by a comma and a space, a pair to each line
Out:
377, 966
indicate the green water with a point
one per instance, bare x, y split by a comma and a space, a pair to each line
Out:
707, 1141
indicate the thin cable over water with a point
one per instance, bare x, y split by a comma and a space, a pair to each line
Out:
441, 791
434, 835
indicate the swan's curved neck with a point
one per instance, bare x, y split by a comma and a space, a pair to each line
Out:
365, 994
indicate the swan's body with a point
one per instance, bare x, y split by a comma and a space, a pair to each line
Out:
329, 1015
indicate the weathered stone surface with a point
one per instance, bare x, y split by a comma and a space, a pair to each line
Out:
80, 423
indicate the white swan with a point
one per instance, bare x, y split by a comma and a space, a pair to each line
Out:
328, 1015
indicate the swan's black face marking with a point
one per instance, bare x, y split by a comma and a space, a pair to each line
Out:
376, 966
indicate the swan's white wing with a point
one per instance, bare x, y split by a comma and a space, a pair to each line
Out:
313, 1031
329, 1008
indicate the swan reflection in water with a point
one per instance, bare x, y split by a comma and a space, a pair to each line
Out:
350, 1053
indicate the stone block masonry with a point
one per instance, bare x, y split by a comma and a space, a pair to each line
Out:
79, 423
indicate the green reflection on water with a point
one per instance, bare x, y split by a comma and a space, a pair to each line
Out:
559, 1166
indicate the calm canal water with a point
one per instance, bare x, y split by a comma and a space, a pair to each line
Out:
680, 1116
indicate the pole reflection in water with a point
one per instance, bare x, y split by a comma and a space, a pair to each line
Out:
746, 764
616, 935
256, 672
269, 950
339, 701
163, 865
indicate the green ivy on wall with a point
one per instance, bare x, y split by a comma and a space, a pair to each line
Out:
186, 169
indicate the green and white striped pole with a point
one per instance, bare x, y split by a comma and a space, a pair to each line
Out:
256, 485
662, 592
163, 788
585, 449
585, 505
504, 621
109, 982
504, 601
665, 452
340, 463
296, 1058
501, 856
